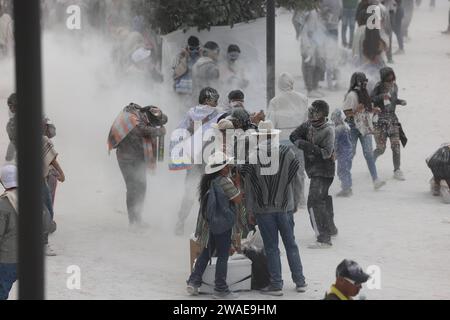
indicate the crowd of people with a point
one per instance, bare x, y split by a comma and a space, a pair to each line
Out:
198, 66
253, 178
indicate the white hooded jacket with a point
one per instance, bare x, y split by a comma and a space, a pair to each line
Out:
289, 109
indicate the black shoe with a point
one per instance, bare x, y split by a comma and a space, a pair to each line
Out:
334, 232
272, 291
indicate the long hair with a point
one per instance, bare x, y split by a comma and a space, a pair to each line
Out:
372, 44
356, 85
205, 184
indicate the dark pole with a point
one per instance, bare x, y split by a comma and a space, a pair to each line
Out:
270, 50
29, 148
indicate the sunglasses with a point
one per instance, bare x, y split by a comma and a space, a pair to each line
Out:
356, 284
194, 48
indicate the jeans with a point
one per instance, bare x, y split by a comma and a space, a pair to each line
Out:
344, 168
134, 174
348, 22
320, 208
8, 275
48, 199
221, 243
270, 224
366, 143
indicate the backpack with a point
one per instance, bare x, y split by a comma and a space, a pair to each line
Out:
219, 210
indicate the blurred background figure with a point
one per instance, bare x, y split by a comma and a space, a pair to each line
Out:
348, 22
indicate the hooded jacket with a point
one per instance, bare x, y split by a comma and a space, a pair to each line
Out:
319, 157
289, 108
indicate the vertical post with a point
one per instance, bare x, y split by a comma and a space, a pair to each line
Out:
29, 148
270, 32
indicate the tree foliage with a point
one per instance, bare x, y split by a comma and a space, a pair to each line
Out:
168, 16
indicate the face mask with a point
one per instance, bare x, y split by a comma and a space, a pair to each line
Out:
233, 56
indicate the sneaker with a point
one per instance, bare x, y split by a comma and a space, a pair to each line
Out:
225, 295
398, 175
49, 252
378, 184
447, 32
345, 193
301, 287
399, 51
272, 291
192, 289
320, 245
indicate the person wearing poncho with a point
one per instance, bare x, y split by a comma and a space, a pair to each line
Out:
135, 140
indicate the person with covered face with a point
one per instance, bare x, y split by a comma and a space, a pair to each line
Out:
344, 153
286, 110
134, 136
349, 279
204, 114
206, 71
316, 138
233, 71
182, 67
385, 99
359, 116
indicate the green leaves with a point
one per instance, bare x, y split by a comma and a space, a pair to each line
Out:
168, 16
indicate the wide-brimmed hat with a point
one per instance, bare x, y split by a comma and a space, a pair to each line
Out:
217, 162
8, 176
266, 128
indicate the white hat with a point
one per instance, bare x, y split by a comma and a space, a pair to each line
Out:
266, 127
8, 176
140, 55
217, 162
223, 124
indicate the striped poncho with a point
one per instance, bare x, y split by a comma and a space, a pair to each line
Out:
271, 193
125, 122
